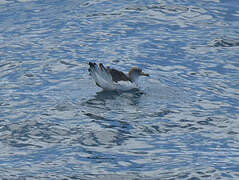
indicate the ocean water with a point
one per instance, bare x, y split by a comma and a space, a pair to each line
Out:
183, 123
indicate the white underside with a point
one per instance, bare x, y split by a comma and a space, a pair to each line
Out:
104, 79
125, 86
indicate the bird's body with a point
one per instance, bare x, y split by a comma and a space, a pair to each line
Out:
114, 80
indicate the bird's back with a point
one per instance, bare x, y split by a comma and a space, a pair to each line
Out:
118, 75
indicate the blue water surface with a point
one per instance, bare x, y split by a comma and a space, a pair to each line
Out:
183, 123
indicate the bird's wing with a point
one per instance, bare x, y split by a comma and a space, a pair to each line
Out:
101, 75
118, 75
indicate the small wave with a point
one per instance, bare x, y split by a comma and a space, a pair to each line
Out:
223, 42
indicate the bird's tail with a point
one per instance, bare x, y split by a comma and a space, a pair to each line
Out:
101, 76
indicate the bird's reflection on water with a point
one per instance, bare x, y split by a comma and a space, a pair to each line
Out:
104, 109
102, 98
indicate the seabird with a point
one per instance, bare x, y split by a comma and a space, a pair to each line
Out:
115, 80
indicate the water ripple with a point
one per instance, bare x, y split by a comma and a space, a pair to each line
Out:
57, 124
224, 42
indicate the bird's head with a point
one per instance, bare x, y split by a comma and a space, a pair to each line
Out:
135, 72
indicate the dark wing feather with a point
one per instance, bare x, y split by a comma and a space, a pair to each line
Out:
118, 75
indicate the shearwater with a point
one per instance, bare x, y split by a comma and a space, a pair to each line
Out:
115, 80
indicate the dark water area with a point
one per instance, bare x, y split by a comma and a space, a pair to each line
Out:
183, 123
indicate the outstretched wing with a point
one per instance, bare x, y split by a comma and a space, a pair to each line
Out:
101, 75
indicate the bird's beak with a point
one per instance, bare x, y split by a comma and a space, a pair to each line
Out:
144, 74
